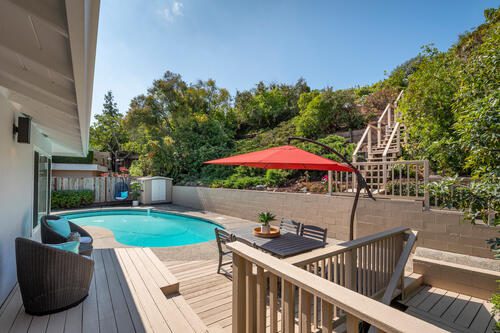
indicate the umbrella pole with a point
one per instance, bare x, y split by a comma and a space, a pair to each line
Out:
330, 176
361, 183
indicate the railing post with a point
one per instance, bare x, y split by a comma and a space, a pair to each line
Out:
352, 324
384, 173
261, 300
369, 139
426, 182
389, 118
305, 311
250, 298
379, 134
351, 269
326, 317
239, 302
288, 314
330, 180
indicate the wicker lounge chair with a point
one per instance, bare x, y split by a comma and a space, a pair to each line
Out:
51, 280
49, 236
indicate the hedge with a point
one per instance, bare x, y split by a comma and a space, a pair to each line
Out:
72, 198
89, 159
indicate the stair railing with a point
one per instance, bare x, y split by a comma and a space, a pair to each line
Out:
386, 114
367, 136
390, 116
397, 277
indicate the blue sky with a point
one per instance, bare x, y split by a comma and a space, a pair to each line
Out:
238, 43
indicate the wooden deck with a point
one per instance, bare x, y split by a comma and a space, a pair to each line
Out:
451, 311
132, 291
209, 294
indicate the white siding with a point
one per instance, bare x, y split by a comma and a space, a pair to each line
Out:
16, 192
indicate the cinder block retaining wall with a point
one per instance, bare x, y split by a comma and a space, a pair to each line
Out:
440, 230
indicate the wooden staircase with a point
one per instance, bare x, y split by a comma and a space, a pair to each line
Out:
380, 144
387, 136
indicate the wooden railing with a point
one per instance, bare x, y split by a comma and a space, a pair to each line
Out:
364, 265
386, 122
267, 292
391, 179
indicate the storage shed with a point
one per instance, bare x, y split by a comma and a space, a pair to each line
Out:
155, 189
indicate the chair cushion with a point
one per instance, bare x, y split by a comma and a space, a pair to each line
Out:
61, 226
85, 240
68, 246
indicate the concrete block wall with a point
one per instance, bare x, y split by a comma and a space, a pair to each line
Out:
440, 230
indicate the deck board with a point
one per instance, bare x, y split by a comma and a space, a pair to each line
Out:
452, 311
127, 294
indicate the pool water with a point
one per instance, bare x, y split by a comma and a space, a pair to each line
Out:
148, 228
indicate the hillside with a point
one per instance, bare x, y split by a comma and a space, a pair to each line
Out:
450, 107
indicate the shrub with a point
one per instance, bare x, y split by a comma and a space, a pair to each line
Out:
276, 177
89, 159
477, 200
72, 198
393, 188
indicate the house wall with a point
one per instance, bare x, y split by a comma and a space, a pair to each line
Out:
16, 194
440, 230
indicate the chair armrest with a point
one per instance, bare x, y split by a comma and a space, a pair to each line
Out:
76, 228
49, 236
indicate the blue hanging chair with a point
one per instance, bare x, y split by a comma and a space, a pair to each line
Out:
121, 190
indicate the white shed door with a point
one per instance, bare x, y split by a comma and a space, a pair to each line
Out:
158, 189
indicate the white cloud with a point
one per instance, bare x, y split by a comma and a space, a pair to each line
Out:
170, 12
177, 8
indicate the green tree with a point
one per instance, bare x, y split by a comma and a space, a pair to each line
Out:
177, 126
428, 113
477, 103
328, 111
266, 106
107, 133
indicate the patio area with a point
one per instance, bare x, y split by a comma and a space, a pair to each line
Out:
178, 290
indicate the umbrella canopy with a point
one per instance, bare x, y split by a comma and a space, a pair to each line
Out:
283, 157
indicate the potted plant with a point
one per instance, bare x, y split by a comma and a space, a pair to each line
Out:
265, 219
135, 193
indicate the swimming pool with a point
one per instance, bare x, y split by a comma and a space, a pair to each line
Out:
148, 228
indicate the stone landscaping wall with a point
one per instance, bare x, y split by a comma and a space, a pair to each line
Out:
440, 230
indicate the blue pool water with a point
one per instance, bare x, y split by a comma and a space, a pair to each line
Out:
153, 229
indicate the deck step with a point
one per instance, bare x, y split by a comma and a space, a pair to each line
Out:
411, 284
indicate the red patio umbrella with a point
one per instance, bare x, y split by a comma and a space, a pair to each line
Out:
283, 157
290, 157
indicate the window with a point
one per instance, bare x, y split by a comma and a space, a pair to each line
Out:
41, 200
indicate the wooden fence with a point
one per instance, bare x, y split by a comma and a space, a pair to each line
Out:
103, 187
395, 179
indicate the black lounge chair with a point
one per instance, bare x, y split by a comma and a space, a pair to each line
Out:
51, 280
49, 236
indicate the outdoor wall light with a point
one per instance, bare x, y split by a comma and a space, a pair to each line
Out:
23, 129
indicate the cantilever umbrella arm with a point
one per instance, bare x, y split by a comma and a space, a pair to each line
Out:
361, 182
